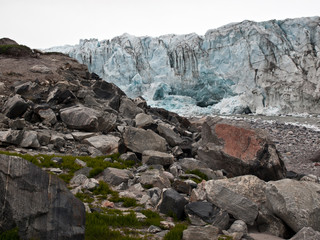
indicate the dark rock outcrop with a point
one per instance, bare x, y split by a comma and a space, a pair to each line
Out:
173, 204
39, 204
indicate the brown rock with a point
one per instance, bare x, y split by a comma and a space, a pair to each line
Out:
239, 150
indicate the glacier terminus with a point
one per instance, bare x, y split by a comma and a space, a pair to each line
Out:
267, 67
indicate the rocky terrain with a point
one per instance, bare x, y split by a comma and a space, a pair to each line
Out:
260, 67
140, 172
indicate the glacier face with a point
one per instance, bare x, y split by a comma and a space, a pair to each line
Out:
266, 67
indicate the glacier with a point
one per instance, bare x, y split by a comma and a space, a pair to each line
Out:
269, 67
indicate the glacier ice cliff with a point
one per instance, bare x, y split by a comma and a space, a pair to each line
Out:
265, 67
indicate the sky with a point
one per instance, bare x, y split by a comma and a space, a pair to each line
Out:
47, 23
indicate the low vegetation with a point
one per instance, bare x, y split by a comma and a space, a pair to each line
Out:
176, 232
10, 235
15, 50
98, 164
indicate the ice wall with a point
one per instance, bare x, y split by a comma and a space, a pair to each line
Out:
261, 67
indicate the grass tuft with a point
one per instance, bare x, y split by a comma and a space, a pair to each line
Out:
175, 233
12, 234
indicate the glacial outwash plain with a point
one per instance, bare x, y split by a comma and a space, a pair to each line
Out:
172, 137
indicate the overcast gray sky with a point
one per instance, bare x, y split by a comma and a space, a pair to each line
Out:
47, 23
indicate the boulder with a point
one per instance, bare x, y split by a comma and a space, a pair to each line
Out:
203, 213
143, 120
173, 203
39, 204
306, 233
128, 109
13, 137
107, 144
87, 119
15, 107
115, 176
139, 140
48, 116
30, 140
154, 157
267, 222
239, 150
248, 186
44, 137
200, 233
183, 186
108, 91
155, 178
297, 203
235, 204
61, 95
191, 164
171, 136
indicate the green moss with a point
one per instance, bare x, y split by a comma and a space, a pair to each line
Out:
198, 173
15, 50
129, 202
12, 234
176, 232
85, 197
95, 171
153, 218
103, 190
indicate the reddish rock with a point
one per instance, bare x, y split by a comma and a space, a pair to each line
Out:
239, 150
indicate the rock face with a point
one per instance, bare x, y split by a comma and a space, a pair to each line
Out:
297, 203
40, 205
237, 67
239, 151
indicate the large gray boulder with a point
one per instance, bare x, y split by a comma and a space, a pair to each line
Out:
39, 204
297, 203
139, 140
116, 176
155, 178
239, 206
171, 136
87, 119
15, 107
128, 109
239, 150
